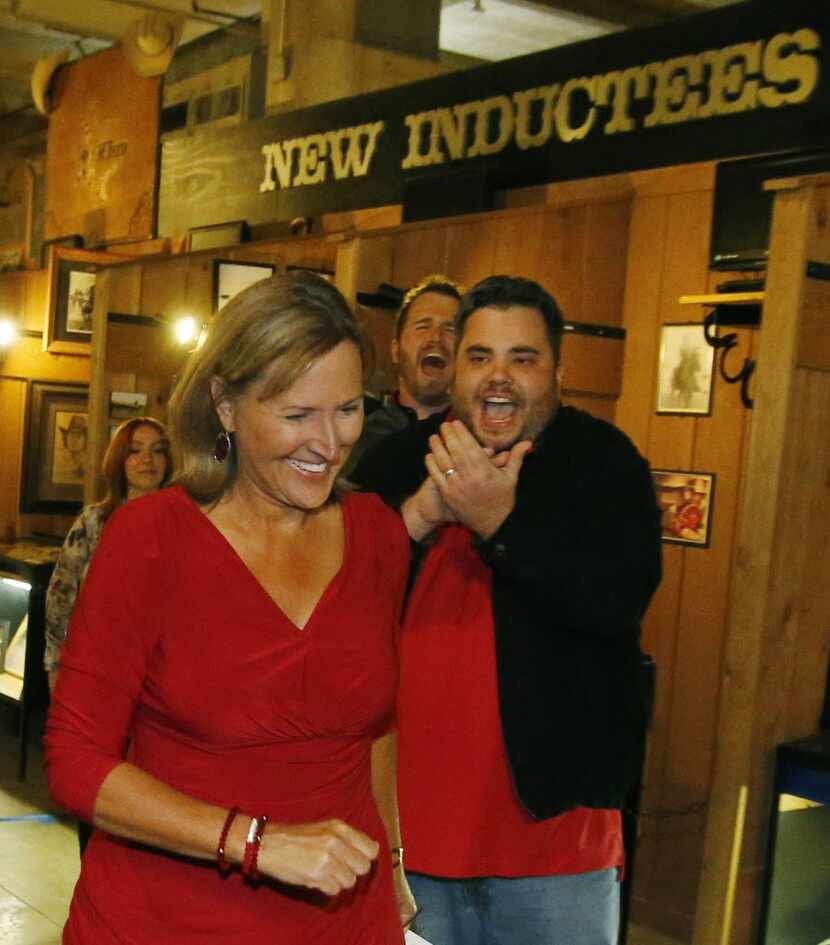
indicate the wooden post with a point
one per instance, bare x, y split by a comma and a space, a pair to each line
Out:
98, 393
775, 664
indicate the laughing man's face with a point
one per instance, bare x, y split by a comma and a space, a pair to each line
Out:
507, 383
424, 352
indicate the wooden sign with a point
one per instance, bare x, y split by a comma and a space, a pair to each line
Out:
101, 153
744, 79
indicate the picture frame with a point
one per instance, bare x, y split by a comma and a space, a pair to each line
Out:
230, 277
685, 499
217, 235
685, 370
71, 299
55, 451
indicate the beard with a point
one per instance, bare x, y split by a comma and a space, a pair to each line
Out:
533, 414
430, 388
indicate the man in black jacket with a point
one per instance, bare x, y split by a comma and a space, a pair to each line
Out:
521, 713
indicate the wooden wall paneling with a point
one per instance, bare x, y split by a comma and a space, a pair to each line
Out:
37, 294
13, 296
606, 255
471, 250
163, 287
125, 290
143, 349
600, 405
309, 253
641, 317
26, 358
562, 259
659, 641
814, 339
12, 423
762, 634
519, 245
686, 253
592, 364
417, 253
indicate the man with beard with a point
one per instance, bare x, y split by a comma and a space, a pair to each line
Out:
422, 352
523, 704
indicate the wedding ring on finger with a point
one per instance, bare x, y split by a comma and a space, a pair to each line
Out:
450, 472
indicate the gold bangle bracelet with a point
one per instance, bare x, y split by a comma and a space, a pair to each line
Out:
397, 857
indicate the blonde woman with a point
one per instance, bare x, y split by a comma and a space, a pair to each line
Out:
254, 664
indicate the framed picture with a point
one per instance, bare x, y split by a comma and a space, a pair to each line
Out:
216, 235
230, 278
684, 376
71, 299
55, 452
685, 500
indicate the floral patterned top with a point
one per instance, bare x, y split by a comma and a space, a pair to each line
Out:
70, 571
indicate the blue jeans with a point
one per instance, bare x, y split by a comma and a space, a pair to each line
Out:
576, 909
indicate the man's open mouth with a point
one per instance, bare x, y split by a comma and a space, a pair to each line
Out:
433, 361
498, 409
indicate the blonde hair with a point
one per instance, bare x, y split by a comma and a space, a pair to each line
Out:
274, 329
115, 459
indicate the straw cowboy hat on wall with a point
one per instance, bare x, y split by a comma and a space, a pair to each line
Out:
150, 42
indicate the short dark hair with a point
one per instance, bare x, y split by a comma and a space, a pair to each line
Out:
506, 291
440, 285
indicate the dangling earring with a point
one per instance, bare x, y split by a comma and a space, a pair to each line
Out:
222, 447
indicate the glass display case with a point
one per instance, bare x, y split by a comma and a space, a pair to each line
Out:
795, 904
25, 569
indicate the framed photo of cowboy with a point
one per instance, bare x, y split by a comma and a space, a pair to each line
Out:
71, 301
684, 375
55, 452
685, 501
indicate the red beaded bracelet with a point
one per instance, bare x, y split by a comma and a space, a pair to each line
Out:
252, 844
221, 862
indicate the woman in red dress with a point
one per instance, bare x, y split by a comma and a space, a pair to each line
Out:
232, 659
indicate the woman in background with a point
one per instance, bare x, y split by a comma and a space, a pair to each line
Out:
239, 631
136, 463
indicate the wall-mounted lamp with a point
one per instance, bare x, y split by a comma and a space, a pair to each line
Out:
189, 332
8, 332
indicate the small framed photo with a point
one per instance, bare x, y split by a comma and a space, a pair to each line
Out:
55, 452
230, 278
72, 274
684, 376
216, 235
685, 501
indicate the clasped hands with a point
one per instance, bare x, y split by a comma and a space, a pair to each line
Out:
467, 483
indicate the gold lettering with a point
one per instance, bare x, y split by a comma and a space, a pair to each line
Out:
631, 83
356, 159
416, 123
500, 105
268, 177
674, 101
311, 169
788, 58
525, 138
453, 126
562, 111
730, 90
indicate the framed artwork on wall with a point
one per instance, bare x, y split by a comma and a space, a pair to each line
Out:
71, 299
55, 450
684, 374
685, 501
230, 278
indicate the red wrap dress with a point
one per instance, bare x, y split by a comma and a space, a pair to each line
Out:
176, 650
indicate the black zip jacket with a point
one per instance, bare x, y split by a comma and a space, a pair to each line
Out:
574, 567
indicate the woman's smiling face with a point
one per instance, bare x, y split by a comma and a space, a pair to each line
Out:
290, 447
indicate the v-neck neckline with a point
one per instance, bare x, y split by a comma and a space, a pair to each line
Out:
327, 591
